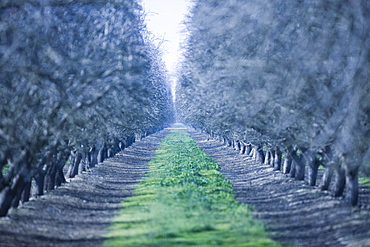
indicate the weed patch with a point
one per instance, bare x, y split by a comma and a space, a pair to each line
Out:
184, 200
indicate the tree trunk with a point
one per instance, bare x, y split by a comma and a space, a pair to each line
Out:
271, 161
248, 150
93, 161
299, 162
340, 182
237, 146
18, 190
110, 152
326, 178
101, 154
300, 171
6, 198
293, 169
26, 192
59, 176
277, 160
352, 186
267, 158
287, 164
242, 148
40, 182
8, 194
312, 171
228, 143
75, 163
260, 155
82, 166
224, 140
50, 177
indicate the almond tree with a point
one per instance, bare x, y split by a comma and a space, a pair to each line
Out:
77, 77
290, 73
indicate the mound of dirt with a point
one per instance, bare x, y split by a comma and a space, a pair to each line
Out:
293, 212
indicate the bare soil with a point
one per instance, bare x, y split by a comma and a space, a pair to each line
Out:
79, 212
293, 212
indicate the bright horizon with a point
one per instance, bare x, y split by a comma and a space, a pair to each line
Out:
164, 19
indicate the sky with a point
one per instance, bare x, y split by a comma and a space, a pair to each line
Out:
163, 19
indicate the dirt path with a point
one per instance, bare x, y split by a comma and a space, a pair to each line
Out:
78, 213
294, 213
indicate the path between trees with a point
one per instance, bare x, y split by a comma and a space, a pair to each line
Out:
293, 212
78, 213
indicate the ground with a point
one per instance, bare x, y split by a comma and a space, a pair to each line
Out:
79, 212
293, 212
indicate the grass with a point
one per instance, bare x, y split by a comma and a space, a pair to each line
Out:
184, 201
5, 169
363, 179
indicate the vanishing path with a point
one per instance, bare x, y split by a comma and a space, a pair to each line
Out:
78, 213
293, 212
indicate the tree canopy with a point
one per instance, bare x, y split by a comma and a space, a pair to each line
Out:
75, 75
292, 76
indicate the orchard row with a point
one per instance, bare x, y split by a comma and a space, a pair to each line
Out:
80, 80
287, 79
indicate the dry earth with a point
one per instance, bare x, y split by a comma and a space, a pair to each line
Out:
293, 212
79, 212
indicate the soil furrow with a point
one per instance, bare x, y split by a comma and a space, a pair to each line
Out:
293, 212
79, 212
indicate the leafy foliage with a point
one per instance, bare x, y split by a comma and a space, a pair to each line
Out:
74, 75
290, 75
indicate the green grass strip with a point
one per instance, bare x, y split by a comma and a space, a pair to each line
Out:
184, 201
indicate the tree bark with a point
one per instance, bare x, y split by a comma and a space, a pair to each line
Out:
40, 182
18, 190
50, 177
293, 169
352, 186
326, 179
110, 152
228, 142
6, 198
9, 194
287, 164
75, 163
267, 158
260, 155
312, 171
242, 148
26, 192
299, 163
93, 154
277, 159
237, 146
59, 176
101, 154
248, 150
340, 182
82, 166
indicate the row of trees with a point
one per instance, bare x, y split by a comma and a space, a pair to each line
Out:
287, 79
79, 81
